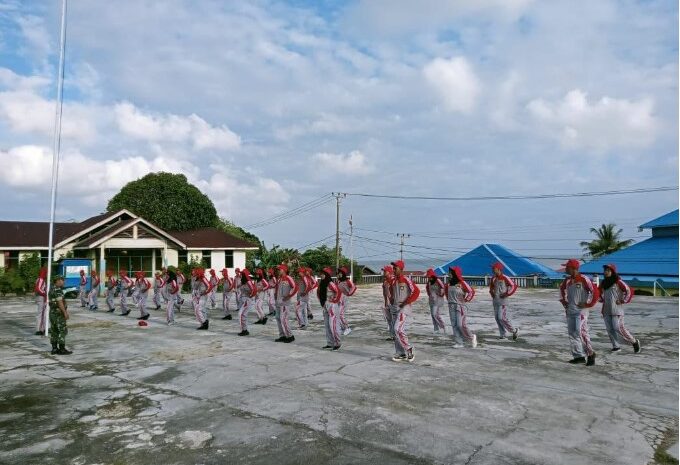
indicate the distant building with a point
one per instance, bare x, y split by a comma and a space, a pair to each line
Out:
654, 259
122, 240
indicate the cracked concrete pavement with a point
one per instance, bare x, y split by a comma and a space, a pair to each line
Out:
173, 395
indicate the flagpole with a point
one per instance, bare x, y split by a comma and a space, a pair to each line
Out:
351, 249
55, 153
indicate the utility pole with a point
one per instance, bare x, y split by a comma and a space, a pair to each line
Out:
337, 196
351, 249
401, 247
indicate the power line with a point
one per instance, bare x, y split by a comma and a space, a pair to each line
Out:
521, 197
292, 212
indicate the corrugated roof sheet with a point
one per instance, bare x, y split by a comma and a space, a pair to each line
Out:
210, 238
656, 256
669, 219
478, 261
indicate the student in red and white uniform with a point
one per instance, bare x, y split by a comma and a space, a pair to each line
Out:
271, 293
458, 294
302, 306
111, 284
200, 288
614, 294
388, 275
181, 279
578, 295
82, 295
286, 288
40, 290
347, 289
228, 293
142, 285
126, 283
329, 297
94, 291
262, 293
501, 287
171, 288
248, 295
237, 280
214, 281
158, 283
402, 294
435, 297
313, 284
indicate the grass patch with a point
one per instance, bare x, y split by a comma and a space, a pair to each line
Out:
661, 457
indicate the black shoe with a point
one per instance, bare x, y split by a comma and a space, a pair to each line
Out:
40, 333
310, 317
204, 326
111, 311
228, 317
514, 334
145, 317
591, 360
158, 307
244, 333
410, 356
327, 347
264, 320
391, 338
54, 350
636, 346
63, 351
288, 340
126, 313
336, 348
576, 360
616, 349
281, 339
271, 313
258, 322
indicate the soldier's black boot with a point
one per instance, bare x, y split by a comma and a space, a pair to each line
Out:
54, 349
62, 351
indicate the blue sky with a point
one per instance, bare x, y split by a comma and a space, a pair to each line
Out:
268, 105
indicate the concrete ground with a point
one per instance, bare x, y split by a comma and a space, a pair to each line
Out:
173, 395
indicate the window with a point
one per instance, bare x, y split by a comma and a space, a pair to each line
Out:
228, 258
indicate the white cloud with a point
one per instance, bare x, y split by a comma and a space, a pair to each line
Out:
599, 125
354, 163
454, 81
154, 127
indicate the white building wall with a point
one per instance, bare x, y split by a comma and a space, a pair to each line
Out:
171, 258
217, 260
2, 259
239, 259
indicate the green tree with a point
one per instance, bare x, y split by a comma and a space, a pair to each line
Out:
167, 200
607, 240
29, 267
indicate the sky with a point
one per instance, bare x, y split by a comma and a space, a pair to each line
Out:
268, 105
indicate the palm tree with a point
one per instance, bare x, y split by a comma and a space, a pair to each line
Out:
606, 241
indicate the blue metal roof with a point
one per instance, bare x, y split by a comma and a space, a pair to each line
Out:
657, 256
478, 261
669, 219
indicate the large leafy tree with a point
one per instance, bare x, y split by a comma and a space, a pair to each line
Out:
607, 240
168, 201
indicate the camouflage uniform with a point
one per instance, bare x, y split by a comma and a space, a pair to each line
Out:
58, 329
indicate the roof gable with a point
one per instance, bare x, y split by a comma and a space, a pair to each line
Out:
668, 220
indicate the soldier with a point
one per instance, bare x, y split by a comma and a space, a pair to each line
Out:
41, 301
578, 295
200, 288
58, 317
285, 291
111, 284
329, 297
158, 284
142, 285
228, 293
262, 292
501, 287
82, 295
94, 291
125, 286
214, 281
435, 297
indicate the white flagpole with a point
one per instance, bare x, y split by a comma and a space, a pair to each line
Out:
55, 152
351, 249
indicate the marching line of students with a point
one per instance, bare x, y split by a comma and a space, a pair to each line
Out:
276, 289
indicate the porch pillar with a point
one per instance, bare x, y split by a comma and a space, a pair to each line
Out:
102, 268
